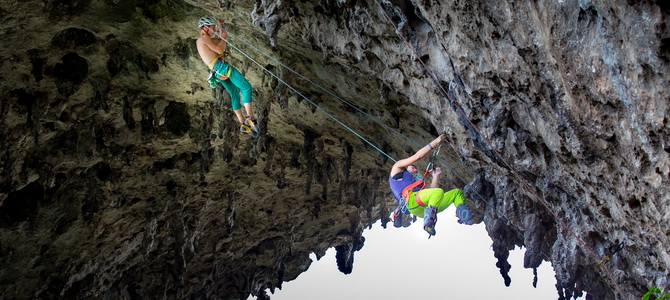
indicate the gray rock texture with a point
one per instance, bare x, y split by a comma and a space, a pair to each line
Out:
123, 175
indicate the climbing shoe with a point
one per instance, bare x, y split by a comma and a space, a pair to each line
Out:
429, 220
244, 128
252, 124
467, 216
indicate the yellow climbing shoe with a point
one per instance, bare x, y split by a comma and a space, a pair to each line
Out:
244, 128
251, 124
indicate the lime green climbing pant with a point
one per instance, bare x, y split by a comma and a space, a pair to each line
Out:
434, 197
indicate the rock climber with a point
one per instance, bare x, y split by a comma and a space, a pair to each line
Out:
211, 48
423, 202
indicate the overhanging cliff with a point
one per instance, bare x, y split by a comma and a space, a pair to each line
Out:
123, 174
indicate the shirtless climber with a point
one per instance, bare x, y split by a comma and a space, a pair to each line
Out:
211, 48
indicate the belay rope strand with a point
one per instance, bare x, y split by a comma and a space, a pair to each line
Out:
346, 102
376, 120
351, 105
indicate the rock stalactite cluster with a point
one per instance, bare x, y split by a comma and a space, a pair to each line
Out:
124, 176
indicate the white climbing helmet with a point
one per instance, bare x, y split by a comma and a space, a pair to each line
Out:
205, 21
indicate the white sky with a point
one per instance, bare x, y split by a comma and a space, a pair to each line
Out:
457, 263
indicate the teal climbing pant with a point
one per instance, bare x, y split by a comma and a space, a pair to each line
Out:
235, 84
434, 197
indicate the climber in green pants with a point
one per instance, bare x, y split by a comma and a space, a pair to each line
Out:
211, 47
423, 202
433, 197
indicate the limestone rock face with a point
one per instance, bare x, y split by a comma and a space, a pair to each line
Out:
123, 174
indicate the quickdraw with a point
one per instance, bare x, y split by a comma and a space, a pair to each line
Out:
618, 248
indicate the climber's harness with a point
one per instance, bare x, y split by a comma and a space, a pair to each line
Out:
400, 214
217, 74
